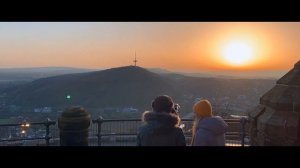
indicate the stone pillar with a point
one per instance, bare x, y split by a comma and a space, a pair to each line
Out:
74, 127
276, 121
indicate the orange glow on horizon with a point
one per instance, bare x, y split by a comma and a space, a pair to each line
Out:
175, 46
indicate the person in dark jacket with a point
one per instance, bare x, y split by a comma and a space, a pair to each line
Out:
208, 130
161, 126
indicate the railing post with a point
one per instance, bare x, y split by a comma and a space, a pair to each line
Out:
47, 137
99, 124
243, 121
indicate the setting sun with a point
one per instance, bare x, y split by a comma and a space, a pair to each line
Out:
238, 52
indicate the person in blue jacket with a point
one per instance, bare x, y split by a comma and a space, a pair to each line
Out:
208, 130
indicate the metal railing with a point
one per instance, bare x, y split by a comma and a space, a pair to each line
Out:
117, 132
24, 126
236, 135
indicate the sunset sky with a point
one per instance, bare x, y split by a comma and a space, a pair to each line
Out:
181, 46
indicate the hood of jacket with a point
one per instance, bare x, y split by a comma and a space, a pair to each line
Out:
167, 119
214, 124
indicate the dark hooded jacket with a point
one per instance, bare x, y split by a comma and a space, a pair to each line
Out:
160, 129
210, 132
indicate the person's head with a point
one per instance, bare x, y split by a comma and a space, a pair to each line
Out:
202, 109
163, 103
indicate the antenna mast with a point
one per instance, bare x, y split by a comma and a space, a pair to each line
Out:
135, 60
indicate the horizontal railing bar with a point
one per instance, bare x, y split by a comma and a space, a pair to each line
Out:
124, 134
118, 134
104, 120
95, 136
22, 139
116, 120
137, 120
33, 123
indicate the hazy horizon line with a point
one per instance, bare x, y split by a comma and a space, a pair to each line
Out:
180, 70
249, 74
